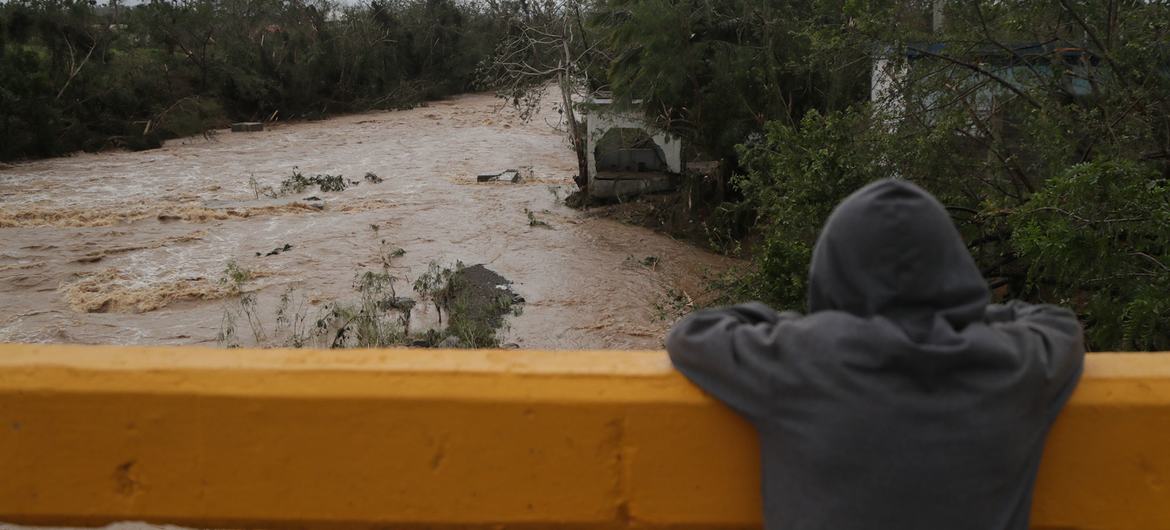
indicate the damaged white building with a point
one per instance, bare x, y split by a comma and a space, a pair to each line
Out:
625, 155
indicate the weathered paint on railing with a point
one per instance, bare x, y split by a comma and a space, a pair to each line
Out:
481, 439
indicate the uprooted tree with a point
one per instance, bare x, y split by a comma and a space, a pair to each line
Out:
547, 42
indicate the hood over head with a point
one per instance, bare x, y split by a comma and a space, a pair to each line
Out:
891, 250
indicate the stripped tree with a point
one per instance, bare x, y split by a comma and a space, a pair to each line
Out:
546, 42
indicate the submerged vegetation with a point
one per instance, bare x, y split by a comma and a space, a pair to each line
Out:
475, 300
298, 182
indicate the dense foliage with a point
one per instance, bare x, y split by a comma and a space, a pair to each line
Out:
1044, 127
716, 71
79, 76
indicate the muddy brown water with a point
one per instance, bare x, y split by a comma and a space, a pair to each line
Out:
129, 248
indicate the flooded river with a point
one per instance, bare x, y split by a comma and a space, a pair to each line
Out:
130, 248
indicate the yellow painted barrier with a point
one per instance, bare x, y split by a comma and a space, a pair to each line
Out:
478, 439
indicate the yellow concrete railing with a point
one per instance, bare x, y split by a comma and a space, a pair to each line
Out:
482, 439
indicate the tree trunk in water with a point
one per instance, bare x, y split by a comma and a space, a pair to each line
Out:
563, 80
582, 178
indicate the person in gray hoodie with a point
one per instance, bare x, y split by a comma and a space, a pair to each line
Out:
903, 400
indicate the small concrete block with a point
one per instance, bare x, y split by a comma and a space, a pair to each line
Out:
508, 175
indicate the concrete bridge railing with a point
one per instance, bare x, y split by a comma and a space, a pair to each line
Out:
479, 439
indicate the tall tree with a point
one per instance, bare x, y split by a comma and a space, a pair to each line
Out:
546, 42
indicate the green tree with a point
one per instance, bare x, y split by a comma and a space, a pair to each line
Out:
1040, 125
715, 72
81, 76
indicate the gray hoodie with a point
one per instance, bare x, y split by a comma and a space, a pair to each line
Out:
903, 400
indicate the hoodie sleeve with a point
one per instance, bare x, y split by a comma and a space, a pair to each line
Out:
730, 352
1052, 338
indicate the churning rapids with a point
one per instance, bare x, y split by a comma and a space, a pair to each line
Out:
129, 248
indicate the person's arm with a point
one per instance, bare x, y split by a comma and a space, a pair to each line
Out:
1053, 335
729, 352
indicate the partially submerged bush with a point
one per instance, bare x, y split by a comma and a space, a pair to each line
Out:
298, 182
369, 322
477, 300
470, 297
235, 276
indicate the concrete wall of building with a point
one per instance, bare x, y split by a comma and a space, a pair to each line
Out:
603, 118
468, 439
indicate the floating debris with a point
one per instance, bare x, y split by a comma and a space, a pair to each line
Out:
508, 175
287, 247
533, 221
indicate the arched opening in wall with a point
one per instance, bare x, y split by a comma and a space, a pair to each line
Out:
628, 150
